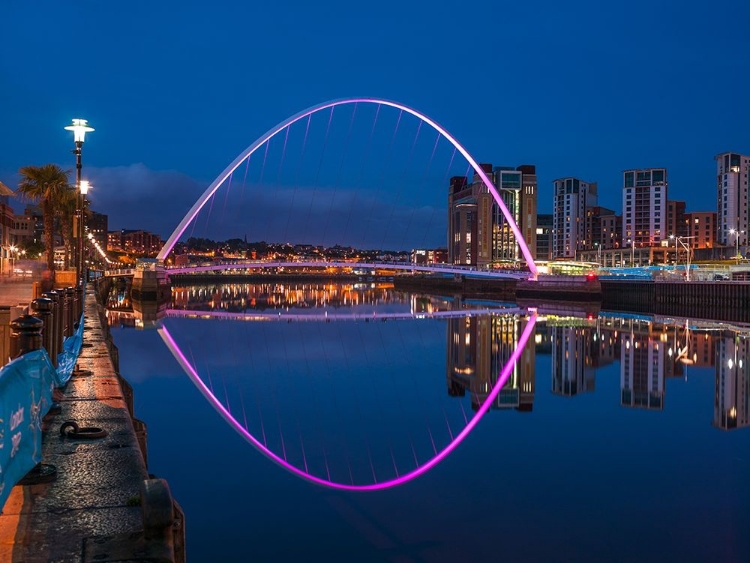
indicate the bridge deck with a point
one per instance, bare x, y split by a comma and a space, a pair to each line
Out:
451, 269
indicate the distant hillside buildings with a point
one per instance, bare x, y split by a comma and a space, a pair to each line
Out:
136, 241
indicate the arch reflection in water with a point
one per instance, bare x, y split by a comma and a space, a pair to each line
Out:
312, 453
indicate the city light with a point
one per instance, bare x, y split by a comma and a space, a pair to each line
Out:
79, 127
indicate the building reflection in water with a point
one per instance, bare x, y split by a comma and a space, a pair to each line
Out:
284, 296
642, 363
732, 397
573, 353
477, 350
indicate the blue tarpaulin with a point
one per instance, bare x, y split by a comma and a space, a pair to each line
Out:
66, 360
26, 386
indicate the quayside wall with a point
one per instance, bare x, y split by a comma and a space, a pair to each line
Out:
720, 300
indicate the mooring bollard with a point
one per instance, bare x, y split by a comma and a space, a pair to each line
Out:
156, 508
25, 335
57, 322
41, 308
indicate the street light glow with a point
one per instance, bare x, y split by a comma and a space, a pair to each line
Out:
85, 185
79, 127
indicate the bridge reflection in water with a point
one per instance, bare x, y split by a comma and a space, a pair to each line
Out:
480, 338
333, 403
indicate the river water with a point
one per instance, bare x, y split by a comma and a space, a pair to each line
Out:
353, 422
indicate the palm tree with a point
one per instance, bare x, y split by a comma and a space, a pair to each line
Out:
66, 207
46, 185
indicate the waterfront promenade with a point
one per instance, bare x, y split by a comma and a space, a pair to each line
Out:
15, 291
92, 510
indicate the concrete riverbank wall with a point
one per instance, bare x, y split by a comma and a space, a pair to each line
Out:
719, 300
502, 289
101, 504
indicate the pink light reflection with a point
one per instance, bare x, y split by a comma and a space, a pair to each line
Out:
405, 478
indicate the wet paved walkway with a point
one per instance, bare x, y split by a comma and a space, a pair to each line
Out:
97, 486
13, 292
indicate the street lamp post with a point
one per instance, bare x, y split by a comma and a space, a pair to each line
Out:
672, 237
737, 234
84, 189
79, 127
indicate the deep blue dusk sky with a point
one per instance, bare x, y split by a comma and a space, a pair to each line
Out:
176, 89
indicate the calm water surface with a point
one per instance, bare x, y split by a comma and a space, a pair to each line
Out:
621, 439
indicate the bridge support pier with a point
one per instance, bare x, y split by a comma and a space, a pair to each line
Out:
151, 285
151, 291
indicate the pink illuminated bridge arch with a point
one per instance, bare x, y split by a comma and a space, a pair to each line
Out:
400, 480
177, 233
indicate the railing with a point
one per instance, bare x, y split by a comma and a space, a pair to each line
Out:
407, 266
258, 264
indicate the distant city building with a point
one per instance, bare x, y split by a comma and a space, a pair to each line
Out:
676, 221
23, 229
478, 233
114, 240
732, 397
593, 237
571, 198
6, 227
98, 224
611, 231
134, 241
644, 207
701, 228
34, 212
423, 257
181, 260
732, 198
544, 236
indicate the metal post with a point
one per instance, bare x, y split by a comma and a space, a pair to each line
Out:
25, 335
42, 309
78, 152
56, 335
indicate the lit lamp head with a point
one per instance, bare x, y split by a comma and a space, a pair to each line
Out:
85, 185
79, 128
